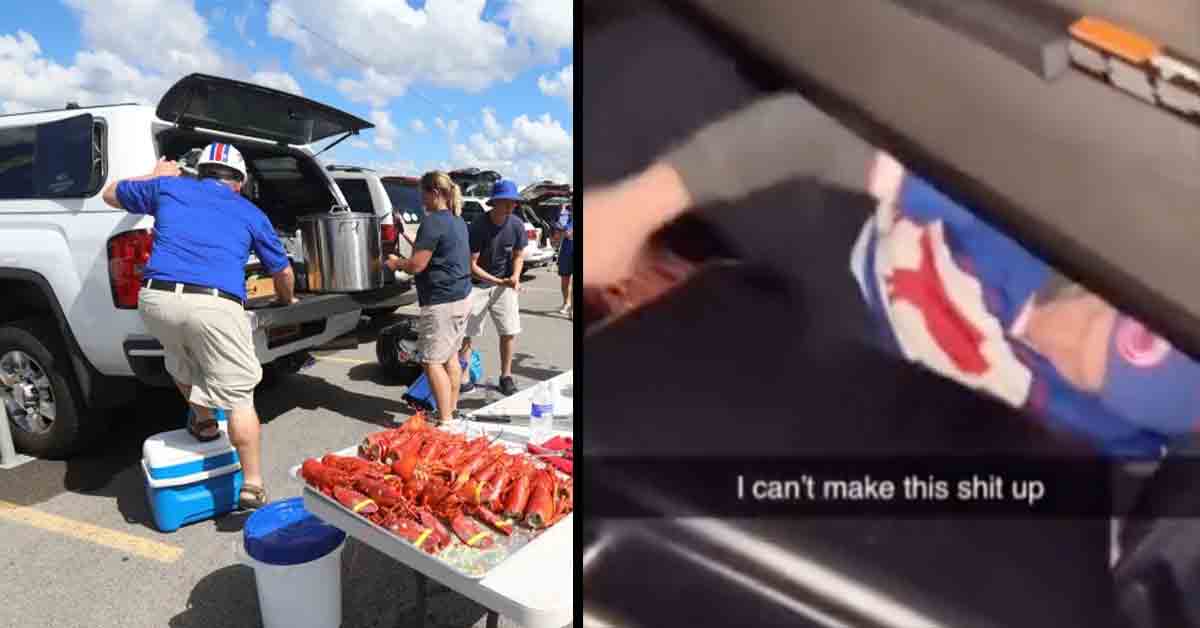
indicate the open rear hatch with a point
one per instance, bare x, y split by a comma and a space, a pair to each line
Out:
286, 182
475, 182
221, 104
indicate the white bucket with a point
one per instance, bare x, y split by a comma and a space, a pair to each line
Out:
308, 595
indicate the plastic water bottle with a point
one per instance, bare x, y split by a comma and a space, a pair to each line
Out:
541, 414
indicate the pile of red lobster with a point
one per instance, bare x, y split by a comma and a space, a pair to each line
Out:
410, 479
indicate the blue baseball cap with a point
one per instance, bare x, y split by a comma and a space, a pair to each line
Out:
504, 190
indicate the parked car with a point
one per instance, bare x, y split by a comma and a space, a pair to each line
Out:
475, 182
405, 195
71, 340
547, 199
530, 217
536, 252
366, 191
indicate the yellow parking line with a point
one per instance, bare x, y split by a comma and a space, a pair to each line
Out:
333, 359
93, 534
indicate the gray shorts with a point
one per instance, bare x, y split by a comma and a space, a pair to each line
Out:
498, 302
441, 328
208, 343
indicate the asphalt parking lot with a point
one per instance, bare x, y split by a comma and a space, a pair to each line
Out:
80, 544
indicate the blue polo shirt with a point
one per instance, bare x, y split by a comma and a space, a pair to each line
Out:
203, 232
496, 243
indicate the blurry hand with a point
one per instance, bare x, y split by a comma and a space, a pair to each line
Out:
166, 168
620, 219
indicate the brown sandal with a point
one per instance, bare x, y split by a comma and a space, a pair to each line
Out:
198, 427
258, 497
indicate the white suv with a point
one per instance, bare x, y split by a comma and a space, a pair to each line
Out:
71, 339
366, 191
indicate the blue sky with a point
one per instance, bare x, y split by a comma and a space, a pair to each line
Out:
448, 83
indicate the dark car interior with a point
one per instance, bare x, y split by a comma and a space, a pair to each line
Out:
281, 184
678, 377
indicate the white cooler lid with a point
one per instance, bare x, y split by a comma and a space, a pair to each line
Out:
177, 447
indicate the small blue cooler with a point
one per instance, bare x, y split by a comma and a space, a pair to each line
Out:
189, 481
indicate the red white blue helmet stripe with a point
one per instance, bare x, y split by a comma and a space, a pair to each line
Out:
224, 154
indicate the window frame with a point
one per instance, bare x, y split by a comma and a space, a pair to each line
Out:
98, 143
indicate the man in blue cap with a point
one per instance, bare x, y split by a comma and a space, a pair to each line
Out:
498, 242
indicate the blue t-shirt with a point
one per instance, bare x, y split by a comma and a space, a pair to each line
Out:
496, 243
447, 278
565, 222
203, 232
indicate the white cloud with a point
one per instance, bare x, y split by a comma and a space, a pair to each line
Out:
133, 51
277, 80
490, 124
446, 43
547, 23
561, 85
166, 36
97, 77
385, 131
239, 24
418, 126
450, 127
528, 150
375, 88
359, 144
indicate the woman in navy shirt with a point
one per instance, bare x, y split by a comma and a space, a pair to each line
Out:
441, 264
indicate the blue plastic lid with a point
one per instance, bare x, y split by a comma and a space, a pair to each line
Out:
284, 533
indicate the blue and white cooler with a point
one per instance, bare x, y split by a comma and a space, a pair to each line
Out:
189, 481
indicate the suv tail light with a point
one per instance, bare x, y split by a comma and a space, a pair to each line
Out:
127, 256
387, 232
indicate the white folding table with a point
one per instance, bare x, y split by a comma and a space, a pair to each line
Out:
532, 587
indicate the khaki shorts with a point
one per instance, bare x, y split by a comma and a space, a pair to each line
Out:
499, 302
208, 343
441, 328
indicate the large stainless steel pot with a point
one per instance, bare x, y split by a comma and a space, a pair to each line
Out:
342, 251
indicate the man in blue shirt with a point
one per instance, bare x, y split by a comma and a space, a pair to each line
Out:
192, 298
498, 242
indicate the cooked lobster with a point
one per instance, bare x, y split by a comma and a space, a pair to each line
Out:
416, 479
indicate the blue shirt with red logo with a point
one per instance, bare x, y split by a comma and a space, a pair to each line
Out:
949, 292
203, 232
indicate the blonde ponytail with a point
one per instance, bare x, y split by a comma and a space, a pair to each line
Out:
456, 201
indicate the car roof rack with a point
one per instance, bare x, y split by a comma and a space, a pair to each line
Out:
341, 168
71, 106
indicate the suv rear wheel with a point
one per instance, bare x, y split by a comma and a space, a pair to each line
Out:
39, 392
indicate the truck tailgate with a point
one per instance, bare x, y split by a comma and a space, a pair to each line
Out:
265, 315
